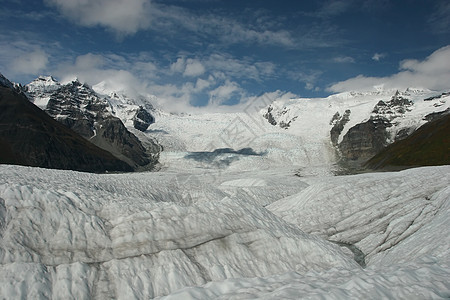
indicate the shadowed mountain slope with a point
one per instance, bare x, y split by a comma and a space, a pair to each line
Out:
28, 136
427, 146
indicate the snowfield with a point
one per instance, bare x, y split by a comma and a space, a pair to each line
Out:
224, 234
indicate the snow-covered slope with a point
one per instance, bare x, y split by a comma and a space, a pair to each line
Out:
200, 236
308, 134
301, 136
40, 90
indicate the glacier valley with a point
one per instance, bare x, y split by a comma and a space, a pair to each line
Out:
241, 205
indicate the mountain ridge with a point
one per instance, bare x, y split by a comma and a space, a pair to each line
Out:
30, 137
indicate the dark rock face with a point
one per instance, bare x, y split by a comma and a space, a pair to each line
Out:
364, 140
338, 123
79, 108
393, 108
30, 137
142, 119
427, 146
268, 115
436, 115
285, 124
113, 136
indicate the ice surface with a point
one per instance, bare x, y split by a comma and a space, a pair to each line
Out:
223, 234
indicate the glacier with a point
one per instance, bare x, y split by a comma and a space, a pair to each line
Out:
239, 209
264, 234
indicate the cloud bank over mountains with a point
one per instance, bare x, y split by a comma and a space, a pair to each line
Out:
431, 73
214, 53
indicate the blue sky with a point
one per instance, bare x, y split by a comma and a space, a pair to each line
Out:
217, 52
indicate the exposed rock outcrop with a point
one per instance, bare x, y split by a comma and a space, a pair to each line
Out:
268, 115
338, 123
427, 146
396, 107
78, 107
364, 140
142, 119
30, 137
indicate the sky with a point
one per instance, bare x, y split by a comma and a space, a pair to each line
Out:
216, 53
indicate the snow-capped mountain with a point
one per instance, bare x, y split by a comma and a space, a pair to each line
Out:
316, 136
358, 124
29, 136
40, 90
234, 211
118, 104
91, 115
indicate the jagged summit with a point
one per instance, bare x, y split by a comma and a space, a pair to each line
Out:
5, 82
28, 136
95, 117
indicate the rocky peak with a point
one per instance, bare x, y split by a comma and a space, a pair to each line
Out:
5, 82
281, 117
268, 115
397, 106
80, 108
142, 119
338, 123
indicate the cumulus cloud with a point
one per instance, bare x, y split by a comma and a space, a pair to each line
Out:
30, 62
193, 68
121, 16
22, 57
189, 67
378, 56
113, 71
213, 82
224, 92
432, 73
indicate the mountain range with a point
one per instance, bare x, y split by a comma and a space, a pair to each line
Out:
352, 128
251, 204
334, 134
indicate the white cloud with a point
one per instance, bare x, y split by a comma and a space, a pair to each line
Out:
202, 84
238, 68
224, 92
113, 71
178, 86
222, 28
179, 66
432, 73
344, 59
193, 68
30, 62
378, 56
22, 57
188, 67
121, 16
